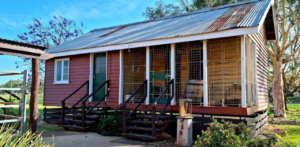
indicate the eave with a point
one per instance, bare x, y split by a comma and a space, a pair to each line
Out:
213, 35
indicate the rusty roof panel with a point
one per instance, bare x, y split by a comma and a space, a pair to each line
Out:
243, 14
255, 15
240, 13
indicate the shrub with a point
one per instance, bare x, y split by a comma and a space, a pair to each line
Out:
112, 125
11, 138
258, 142
226, 134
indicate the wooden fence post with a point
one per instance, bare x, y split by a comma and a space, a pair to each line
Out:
34, 112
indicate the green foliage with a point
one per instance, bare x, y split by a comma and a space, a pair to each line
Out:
293, 111
204, 4
283, 141
12, 84
112, 125
223, 134
291, 137
162, 10
227, 134
11, 111
258, 142
10, 138
293, 100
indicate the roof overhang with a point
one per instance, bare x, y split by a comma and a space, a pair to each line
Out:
269, 22
213, 35
14, 48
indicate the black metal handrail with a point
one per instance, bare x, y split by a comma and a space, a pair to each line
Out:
87, 97
154, 118
125, 118
63, 102
75, 91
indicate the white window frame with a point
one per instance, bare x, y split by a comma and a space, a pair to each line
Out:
55, 68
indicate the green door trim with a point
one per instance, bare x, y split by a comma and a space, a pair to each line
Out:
100, 77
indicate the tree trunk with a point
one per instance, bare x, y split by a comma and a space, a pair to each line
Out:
34, 112
285, 102
278, 97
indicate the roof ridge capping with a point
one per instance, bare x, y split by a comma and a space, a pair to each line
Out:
179, 15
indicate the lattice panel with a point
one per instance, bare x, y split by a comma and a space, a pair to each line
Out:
250, 72
224, 72
160, 73
189, 71
134, 73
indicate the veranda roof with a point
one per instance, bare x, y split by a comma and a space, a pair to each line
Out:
15, 48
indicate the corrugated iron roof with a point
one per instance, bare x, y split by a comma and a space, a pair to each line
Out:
243, 14
22, 44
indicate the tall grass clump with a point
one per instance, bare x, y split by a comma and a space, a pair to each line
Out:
10, 137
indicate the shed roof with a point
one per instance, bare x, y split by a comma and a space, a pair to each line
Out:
15, 48
231, 16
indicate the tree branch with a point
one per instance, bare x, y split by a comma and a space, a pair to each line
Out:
289, 60
271, 53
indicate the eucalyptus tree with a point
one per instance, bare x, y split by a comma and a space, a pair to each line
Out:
281, 51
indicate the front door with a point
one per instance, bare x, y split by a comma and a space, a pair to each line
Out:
160, 73
99, 76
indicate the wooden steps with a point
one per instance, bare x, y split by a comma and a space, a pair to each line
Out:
129, 128
79, 116
139, 136
150, 116
98, 112
75, 127
149, 110
73, 117
78, 122
140, 125
146, 122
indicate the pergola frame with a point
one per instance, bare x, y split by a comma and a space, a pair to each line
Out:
14, 48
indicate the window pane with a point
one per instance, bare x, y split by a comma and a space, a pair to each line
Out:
66, 70
58, 70
66, 63
66, 74
66, 77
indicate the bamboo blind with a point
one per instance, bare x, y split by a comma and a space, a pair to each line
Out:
134, 73
250, 72
189, 71
224, 72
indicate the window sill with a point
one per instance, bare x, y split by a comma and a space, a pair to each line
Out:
61, 83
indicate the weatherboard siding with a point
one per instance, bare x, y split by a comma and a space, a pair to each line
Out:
78, 74
262, 69
113, 73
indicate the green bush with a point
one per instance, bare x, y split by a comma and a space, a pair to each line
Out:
112, 125
258, 142
9, 137
226, 134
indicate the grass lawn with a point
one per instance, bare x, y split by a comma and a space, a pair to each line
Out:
292, 113
288, 134
40, 107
